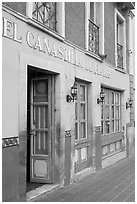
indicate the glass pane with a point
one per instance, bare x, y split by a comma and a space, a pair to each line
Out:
92, 11
112, 111
76, 131
40, 91
112, 147
82, 93
40, 116
118, 145
102, 127
117, 99
112, 126
117, 125
82, 111
106, 96
105, 150
102, 111
83, 130
76, 111
117, 111
44, 117
45, 13
84, 153
76, 156
112, 97
106, 112
106, 127
40, 140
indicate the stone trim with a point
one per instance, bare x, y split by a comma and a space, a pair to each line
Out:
9, 142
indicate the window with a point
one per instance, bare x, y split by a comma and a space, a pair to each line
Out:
93, 30
111, 112
81, 113
94, 23
120, 46
82, 136
49, 14
45, 13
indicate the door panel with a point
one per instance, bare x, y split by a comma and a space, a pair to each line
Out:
40, 158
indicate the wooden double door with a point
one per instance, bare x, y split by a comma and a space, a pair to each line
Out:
41, 129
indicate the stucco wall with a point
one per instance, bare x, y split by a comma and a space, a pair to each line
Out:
15, 86
109, 32
17, 6
75, 22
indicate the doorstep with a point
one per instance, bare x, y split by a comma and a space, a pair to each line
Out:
40, 191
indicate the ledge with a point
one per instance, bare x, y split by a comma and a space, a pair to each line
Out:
120, 70
93, 55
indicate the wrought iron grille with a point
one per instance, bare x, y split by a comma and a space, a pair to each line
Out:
119, 56
93, 38
45, 13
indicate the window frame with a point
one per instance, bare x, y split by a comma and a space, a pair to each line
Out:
78, 120
110, 119
119, 16
99, 21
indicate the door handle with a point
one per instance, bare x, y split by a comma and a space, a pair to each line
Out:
32, 132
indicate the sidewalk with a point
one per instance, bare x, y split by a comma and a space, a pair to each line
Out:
115, 183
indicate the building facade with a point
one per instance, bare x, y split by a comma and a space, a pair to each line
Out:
68, 77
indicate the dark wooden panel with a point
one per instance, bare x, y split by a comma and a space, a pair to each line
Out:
98, 149
108, 139
10, 174
67, 159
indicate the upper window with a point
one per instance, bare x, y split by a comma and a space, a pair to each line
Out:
120, 40
49, 14
94, 14
45, 13
93, 30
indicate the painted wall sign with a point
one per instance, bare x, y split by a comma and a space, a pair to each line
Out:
44, 45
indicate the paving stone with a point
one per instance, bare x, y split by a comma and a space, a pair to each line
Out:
114, 183
125, 193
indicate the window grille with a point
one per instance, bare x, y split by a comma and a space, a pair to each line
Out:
45, 13
93, 37
119, 56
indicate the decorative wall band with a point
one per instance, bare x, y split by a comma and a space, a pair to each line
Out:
9, 142
68, 133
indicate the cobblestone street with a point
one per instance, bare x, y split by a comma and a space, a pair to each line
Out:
112, 184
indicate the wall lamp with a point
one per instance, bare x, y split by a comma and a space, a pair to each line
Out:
129, 104
102, 98
73, 95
